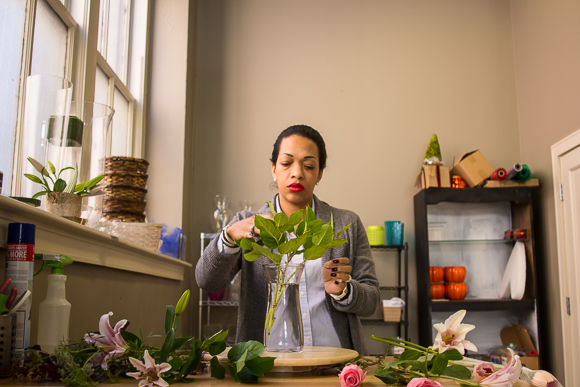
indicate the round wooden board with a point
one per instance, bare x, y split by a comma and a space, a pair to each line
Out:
309, 357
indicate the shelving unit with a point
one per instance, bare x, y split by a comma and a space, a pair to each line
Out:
475, 220
401, 289
204, 301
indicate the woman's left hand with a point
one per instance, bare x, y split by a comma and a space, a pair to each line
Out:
335, 274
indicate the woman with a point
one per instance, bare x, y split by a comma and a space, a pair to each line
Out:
334, 290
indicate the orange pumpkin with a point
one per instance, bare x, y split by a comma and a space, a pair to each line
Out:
455, 273
436, 273
455, 291
437, 291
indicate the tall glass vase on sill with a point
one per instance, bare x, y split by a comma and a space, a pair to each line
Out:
46, 96
283, 331
97, 120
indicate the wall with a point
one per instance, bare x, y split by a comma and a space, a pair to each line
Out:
547, 59
376, 78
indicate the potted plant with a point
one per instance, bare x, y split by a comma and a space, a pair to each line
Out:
62, 198
281, 239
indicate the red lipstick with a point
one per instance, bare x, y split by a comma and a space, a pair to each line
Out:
296, 187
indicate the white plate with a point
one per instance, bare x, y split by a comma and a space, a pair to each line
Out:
514, 278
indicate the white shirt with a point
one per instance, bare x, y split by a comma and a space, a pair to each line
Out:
316, 321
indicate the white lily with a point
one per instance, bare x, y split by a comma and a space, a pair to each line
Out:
148, 372
452, 334
545, 379
109, 340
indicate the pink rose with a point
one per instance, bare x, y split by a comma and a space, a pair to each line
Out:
351, 376
423, 382
483, 370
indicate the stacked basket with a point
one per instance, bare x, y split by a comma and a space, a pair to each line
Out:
125, 179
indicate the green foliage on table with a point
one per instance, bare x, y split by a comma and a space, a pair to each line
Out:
58, 184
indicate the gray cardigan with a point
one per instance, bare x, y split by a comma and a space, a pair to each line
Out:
214, 271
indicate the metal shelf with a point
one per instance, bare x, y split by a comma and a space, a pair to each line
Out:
475, 241
218, 303
481, 305
388, 247
382, 322
402, 287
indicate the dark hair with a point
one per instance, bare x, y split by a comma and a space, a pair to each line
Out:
306, 132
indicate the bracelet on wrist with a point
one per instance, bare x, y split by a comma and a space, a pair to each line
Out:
226, 239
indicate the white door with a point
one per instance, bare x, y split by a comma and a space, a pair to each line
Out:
566, 168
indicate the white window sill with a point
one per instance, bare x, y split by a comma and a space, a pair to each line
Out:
58, 235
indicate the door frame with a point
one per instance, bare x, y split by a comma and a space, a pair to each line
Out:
559, 149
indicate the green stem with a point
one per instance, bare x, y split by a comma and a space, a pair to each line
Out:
398, 342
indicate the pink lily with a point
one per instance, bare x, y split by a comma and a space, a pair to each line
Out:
483, 370
452, 334
149, 372
109, 340
545, 379
507, 376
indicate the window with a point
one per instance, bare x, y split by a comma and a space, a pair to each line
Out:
59, 39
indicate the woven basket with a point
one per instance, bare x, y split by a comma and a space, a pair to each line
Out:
138, 180
125, 164
392, 314
146, 235
120, 205
125, 192
121, 216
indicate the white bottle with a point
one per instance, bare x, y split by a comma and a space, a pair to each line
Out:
54, 314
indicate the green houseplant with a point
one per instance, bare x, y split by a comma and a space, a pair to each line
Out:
63, 198
282, 239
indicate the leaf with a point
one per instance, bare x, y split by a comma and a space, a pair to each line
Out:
292, 245
93, 182
217, 371
51, 167
272, 208
387, 375
169, 317
452, 354
439, 365
246, 243
252, 256
39, 194
179, 342
410, 354
457, 371
241, 362
254, 348
343, 230
266, 253
35, 179
219, 336
130, 337
167, 345
336, 243
260, 365
59, 185
300, 229
314, 252
70, 187
416, 364
182, 303
194, 359
314, 225
310, 215
280, 219
295, 217
217, 348
324, 237
38, 166
268, 231
175, 363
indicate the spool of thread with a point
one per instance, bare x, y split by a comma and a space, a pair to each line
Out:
499, 174
524, 174
513, 171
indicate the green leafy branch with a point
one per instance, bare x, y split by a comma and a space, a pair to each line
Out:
52, 181
312, 237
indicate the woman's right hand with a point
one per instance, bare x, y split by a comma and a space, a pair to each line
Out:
245, 228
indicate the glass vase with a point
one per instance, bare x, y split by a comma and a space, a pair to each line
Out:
283, 330
221, 215
96, 119
46, 97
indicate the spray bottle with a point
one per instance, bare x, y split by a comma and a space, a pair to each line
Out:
54, 311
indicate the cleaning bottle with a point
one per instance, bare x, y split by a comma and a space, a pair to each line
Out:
54, 311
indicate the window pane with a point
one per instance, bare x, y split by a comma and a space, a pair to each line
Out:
12, 16
101, 87
120, 123
50, 42
116, 36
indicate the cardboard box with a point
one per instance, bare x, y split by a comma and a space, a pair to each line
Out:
473, 167
511, 183
435, 176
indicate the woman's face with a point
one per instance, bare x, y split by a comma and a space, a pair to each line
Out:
296, 170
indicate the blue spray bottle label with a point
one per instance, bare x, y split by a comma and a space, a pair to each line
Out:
20, 268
